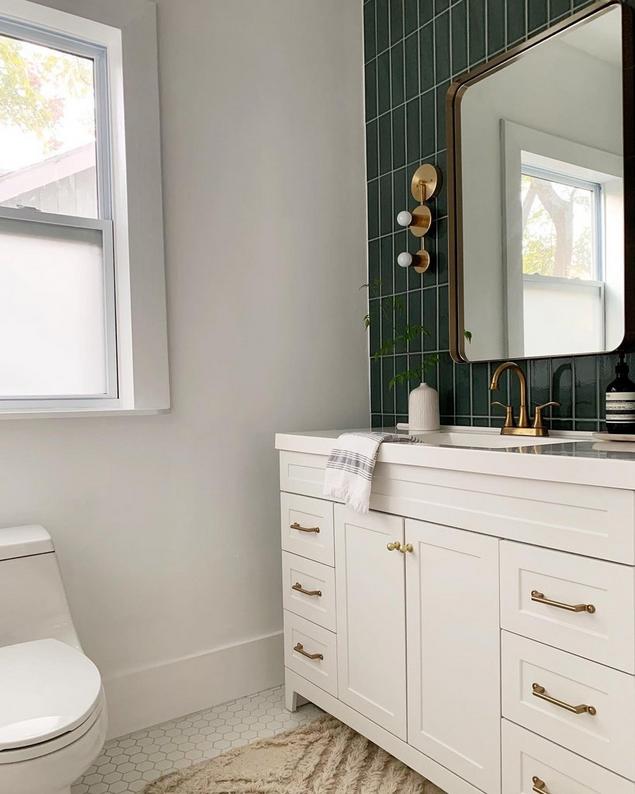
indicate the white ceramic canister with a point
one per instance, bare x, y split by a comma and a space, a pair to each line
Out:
423, 409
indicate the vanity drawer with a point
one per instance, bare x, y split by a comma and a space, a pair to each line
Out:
529, 761
532, 672
303, 637
307, 527
603, 631
308, 589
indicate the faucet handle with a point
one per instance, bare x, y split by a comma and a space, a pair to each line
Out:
509, 416
538, 416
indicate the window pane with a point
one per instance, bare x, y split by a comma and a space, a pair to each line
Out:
47, 129
557, 229
52, 335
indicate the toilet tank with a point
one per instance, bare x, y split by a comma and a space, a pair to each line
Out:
33, 603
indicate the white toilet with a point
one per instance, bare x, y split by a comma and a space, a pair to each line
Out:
52, 705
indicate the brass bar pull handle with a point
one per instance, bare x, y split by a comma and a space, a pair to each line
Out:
299, 648
539, 786
540, 692
539, 598
297, 586
297, 526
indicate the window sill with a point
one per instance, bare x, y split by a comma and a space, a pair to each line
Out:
75, 413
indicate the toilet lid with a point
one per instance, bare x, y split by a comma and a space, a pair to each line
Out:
46, 688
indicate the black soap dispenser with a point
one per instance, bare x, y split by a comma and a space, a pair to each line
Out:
620, 401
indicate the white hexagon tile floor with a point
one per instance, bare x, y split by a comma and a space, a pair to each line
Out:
131, 762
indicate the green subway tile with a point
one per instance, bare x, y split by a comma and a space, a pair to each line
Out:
400, 243
515, 21
372, 149
430, 374
476, 422
383, 82
444, 321
480, 389
476, 27
401, 195
415, 299
558, 8
442, 251
383, 25
397, 74
399, 137
370, 39
374, 313
401, 389
376, 421
413, 133
462, 396
441, 201
375, 385
586, 425
560, 424
495, 25
459, 37
386, 221
374, 269
536, 14
562, 386
440, 6
411, 16
385, 144
441, 91
446, 387
385, 258
387, 323
370, 87
388, 421
540, 381
412, 66
579, 3
429, 278
388, 394
396, 20
586, 403
426, 57
400, 322
606, 373
428, 125
426, 11
442, 47
430, 319
373, 209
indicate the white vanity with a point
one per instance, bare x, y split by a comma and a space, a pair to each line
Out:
479, 622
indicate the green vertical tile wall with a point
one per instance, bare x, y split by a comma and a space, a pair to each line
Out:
413, 49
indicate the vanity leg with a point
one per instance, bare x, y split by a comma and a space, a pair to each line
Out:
292, 700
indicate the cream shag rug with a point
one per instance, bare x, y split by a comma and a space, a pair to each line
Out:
322, 757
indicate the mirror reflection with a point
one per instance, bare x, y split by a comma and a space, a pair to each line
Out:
541, 193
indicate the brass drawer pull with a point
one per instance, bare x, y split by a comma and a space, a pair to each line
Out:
539, 598
297, 526
299, 648
393, 545
539, 786
297, 586
540, 692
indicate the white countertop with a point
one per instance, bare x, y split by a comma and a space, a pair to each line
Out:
575, 458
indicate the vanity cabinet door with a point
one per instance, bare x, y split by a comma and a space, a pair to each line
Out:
454, 650
371, 617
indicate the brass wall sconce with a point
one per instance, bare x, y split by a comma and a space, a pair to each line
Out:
426, 184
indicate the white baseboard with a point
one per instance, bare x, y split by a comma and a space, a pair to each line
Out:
147, 696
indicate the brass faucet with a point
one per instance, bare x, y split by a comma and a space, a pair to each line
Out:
523, 427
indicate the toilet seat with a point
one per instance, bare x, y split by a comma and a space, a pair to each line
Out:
48, 690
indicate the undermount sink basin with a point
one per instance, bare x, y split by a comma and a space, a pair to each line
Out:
457, 438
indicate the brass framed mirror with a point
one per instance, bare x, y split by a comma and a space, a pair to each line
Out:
541, 193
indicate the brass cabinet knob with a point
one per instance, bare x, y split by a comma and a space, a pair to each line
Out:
394, 545
406, 548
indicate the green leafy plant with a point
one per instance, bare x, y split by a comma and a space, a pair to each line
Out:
396, 308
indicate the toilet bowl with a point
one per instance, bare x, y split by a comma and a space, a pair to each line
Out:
53, 715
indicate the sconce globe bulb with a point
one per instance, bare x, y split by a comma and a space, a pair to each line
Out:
404, 218
404, 259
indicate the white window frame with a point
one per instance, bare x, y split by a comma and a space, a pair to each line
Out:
103, 44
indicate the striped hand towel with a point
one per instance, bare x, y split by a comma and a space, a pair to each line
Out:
349, 469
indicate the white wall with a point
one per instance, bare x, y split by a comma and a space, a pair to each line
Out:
167, 527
